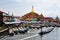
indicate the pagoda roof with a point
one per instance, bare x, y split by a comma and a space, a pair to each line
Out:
31, 15
57, 18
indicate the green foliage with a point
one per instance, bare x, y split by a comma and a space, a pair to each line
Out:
38, 19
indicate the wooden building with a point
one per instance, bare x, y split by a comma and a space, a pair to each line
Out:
1, 18
57, 20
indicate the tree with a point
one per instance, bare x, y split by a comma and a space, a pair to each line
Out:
38, 19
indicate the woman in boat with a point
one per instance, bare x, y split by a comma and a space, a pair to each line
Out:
19, 30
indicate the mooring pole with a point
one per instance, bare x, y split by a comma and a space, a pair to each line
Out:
41, 32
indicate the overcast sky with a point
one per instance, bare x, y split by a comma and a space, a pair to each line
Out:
49, 8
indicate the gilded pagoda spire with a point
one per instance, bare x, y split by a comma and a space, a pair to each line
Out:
32, 9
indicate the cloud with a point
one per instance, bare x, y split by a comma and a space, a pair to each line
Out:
47, 7
17, 0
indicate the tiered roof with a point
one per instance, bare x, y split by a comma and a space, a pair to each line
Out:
30, 15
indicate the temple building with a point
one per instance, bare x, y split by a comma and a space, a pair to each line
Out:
17, 18
31, 15
35, 16
50, 19
57, 20
10, 18
6, 17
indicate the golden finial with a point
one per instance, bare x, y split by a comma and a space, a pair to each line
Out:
32, 9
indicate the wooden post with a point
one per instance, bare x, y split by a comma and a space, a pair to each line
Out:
41, 31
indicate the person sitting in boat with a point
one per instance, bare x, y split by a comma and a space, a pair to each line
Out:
15, 31
21, 30
11, 33
25, 29
45, 32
